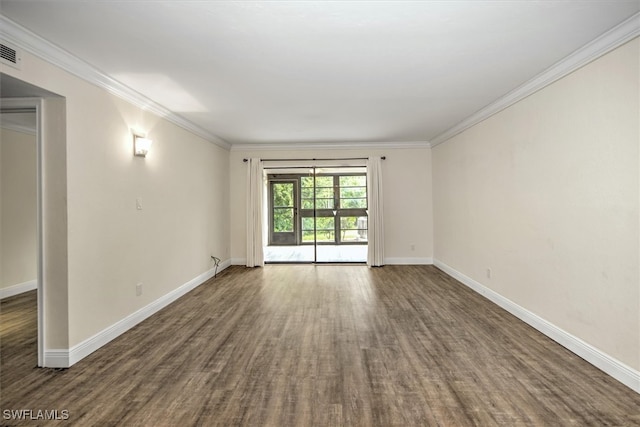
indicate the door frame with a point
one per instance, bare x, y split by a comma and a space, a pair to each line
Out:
36, 104
304, 211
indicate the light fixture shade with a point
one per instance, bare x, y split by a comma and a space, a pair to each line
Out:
141, 146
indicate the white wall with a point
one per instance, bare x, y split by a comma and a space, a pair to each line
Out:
545, 194
407, 198
18, 239
112, 246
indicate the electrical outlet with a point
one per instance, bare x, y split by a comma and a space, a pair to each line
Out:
488, 273
413, 248
139, 289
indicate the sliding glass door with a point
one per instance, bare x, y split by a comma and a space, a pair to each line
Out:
320, 216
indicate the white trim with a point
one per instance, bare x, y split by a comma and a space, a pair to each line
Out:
329, 146
20, 288
618, 370
408, 261
37, 104
389, 261
44, 49
224, 265
56, 359
19, 128
608, 41
64, 359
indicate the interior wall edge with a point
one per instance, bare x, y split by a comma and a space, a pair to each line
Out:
601, 360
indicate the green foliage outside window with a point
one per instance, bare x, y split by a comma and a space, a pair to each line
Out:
283, 203
343, 197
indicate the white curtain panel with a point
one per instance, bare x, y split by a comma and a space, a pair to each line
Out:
375, 255
255, 255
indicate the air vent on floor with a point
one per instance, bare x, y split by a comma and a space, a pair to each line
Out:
10, 56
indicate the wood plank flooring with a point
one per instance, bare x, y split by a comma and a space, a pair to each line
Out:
308, 345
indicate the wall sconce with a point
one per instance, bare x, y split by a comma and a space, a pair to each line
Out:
141, 145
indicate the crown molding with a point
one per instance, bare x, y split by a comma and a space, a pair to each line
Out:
30, 42
616, 37
329, 145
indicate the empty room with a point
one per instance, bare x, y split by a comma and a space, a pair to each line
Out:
320, 213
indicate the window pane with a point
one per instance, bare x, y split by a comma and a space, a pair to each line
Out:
283, 195
307, 193
324, 203
325, 231
282, 220
307, 203
325, 236
324, 181
325, 223
353, 229
353, 181
324, 193
307, 223
353, 192
348, 222
307, 181
353, 203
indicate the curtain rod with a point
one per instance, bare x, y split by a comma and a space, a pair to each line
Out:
310, 160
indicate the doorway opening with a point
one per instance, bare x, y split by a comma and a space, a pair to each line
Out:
22, 107
317, 215
20, 257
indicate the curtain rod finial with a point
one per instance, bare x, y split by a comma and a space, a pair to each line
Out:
245, 160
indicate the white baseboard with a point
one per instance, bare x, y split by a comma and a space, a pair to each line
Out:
18, 289
56, 359
224, 264
408, 261
60, 358
618, 370
390, 261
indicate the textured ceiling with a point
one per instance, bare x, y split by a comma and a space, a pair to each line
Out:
350, 71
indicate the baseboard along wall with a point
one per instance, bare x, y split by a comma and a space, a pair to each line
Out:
61, 358
18, 289
390, 261
613, 367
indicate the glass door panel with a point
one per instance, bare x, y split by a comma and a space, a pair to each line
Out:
341, 216
283, 213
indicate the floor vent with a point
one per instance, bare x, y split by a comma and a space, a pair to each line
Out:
10, 56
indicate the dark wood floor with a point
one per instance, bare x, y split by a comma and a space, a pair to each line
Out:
320, 345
